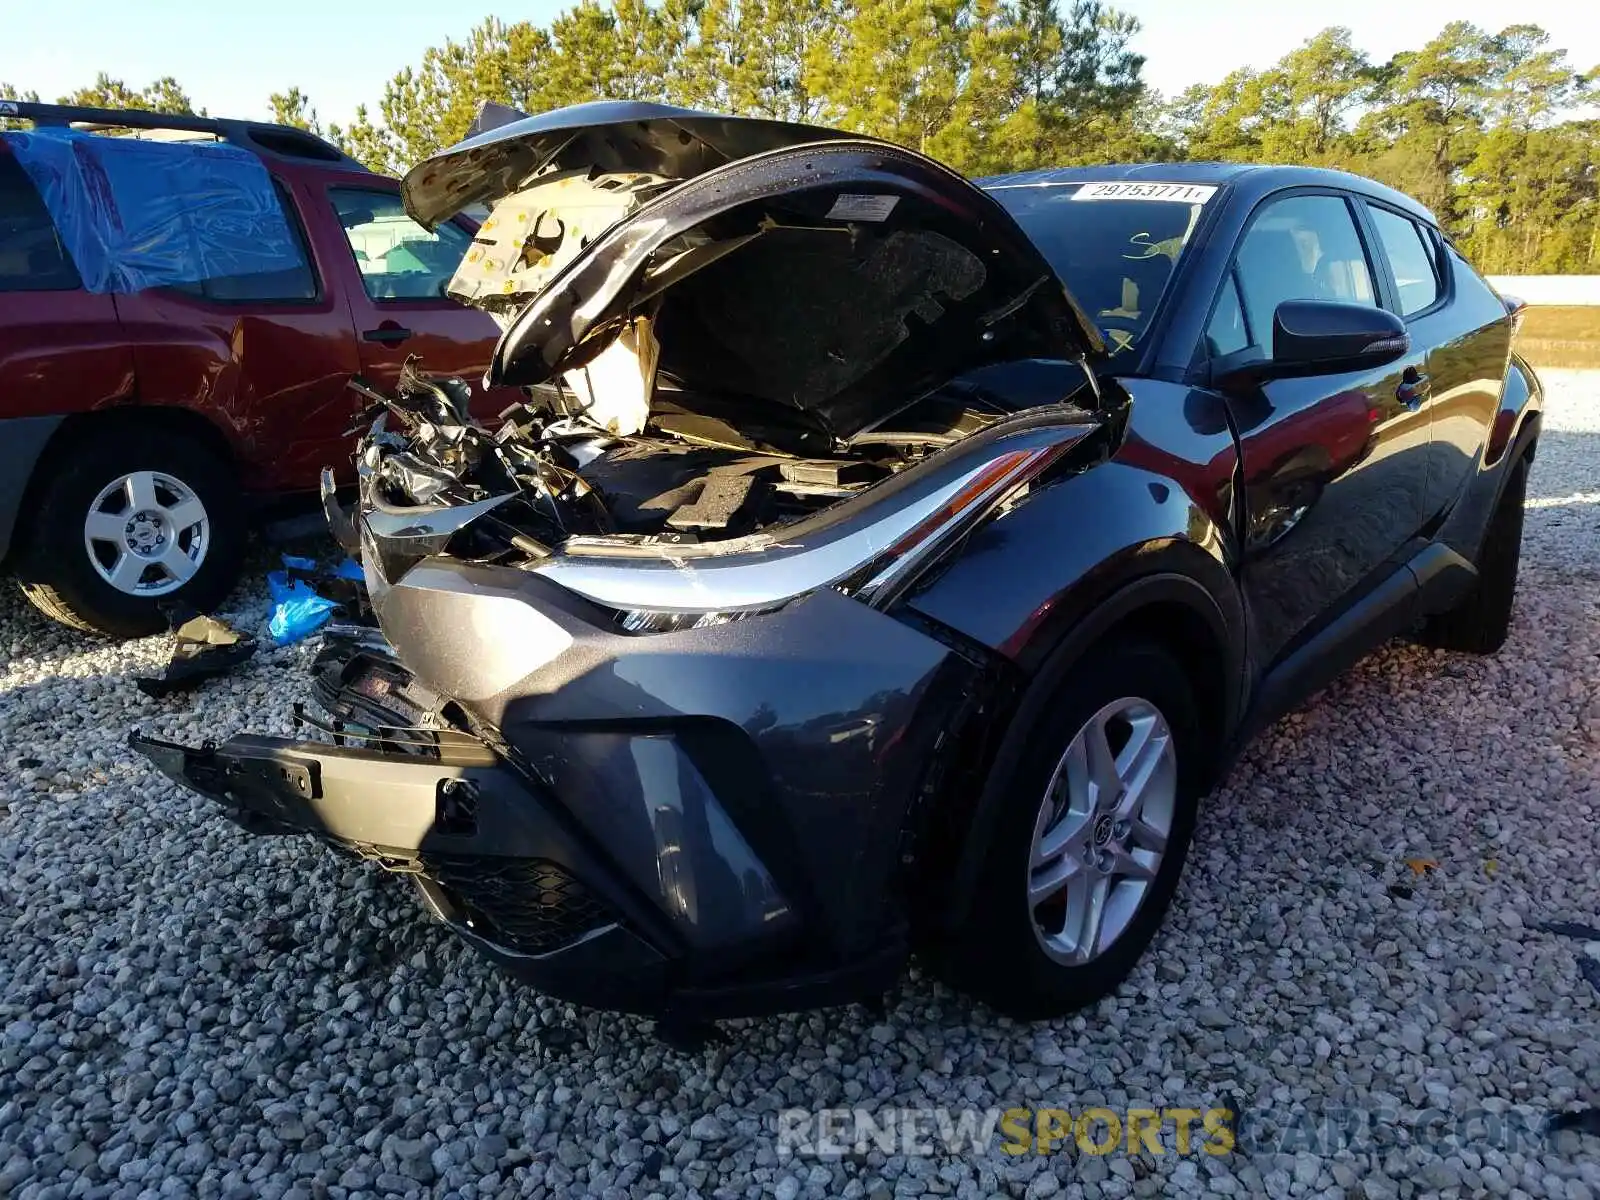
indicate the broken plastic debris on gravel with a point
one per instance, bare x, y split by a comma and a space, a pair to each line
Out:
303, 597
202, 647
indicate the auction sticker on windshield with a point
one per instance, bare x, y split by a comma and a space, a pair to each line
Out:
1182, 193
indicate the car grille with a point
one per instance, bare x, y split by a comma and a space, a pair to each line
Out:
530, 905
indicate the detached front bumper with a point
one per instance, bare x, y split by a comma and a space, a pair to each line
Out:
504, 868
488, 858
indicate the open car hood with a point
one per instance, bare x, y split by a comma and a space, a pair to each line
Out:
507, 149
802, 271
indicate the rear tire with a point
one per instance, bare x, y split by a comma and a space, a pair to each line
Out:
1027, 951
127, 520
1479, 623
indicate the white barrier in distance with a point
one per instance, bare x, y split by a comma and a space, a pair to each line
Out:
1549, 289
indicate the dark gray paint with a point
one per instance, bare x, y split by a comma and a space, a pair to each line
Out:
801, 727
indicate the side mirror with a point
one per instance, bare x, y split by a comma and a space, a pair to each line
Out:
1324, 337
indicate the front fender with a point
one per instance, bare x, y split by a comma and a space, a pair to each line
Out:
1045, 581
960, 861
1038, 572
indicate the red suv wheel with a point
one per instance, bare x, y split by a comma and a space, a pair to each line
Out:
126, 522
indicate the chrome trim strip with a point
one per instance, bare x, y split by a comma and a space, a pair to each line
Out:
896, 575
751, 578
761, 571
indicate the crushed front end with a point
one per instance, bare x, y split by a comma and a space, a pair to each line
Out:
695, 827
381, 775
637, 772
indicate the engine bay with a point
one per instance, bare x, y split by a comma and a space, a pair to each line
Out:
687, 478
704, 364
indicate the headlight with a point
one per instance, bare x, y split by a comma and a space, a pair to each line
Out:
645, 621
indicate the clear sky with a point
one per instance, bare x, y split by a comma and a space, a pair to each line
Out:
231, 55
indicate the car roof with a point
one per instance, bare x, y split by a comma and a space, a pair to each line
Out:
1254, 179
263, 138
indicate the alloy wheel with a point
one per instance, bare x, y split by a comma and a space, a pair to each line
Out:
147, 533
1102, 830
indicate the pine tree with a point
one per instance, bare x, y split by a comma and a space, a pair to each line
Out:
163, 96
294, 108
1489, 130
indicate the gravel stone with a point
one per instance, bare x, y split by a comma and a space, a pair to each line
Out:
185, 1010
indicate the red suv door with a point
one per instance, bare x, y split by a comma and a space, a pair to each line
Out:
398, 272
267, 356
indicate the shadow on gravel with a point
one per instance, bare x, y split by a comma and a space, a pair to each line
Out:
34, 636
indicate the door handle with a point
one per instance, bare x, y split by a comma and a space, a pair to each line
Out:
1413, 389
386, 333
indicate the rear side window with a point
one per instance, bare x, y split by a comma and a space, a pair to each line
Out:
1409, 250
292, 283
398, 259
1473, 300
32, 258
1297, 248
135, 214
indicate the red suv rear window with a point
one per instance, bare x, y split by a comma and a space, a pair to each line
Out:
32, 257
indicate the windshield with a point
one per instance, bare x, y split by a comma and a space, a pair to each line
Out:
1114, 244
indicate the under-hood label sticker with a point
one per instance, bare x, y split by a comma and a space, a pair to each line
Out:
1180, 193
862, 208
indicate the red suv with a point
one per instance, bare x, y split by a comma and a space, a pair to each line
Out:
162, 376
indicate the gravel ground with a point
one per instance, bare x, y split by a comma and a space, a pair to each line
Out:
187, 1011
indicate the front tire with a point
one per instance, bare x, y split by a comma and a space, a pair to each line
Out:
129, 520
1481, 621
1099, 813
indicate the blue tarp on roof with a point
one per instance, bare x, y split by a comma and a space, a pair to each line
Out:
141, 214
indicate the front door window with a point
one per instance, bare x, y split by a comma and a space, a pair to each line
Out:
1298, 248
398, 259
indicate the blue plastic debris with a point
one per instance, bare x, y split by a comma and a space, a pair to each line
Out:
297, 610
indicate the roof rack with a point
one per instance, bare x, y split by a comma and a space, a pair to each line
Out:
263, 137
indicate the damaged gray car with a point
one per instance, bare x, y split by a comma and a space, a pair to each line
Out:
847, 586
